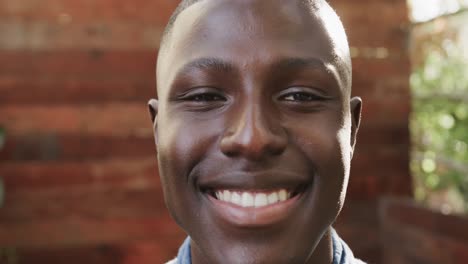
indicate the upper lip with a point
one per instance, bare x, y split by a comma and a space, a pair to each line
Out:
266, 180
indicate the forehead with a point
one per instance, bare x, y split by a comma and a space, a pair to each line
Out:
250, 33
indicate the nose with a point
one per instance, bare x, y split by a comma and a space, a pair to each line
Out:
254, 135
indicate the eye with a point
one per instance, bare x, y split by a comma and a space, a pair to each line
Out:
301, 97
204, 97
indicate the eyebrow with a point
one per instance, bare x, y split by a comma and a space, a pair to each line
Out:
299, 63
207, 64
284, 64
328, 69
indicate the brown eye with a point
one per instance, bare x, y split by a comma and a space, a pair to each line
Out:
205, 97
301, 97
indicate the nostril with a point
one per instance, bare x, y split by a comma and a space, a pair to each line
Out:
230, 153
254, 146
254, 135
230, 147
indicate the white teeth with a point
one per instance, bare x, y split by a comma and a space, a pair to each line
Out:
251, 199
282, 195
220, 195
235, 199
247, 199
273, 197
227, 196
260, 200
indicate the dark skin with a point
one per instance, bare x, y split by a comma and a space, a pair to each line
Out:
255, 95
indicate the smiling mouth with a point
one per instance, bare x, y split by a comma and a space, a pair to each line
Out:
255, 208
254, 199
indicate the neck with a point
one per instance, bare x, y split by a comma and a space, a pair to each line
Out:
323, 253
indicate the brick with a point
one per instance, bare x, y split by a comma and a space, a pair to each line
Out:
132, 119
92, 80
148, 252
393, 12
381, 78
378, 68
414, 246
358, 224
94, 76
370, 137
123, 35
363, 187
70, 175
389, 22
94, 64
363, 213
458, 250
112, 119
123, 25
394, 41
386, 95
145, 11
392, 87
79, 167
83, 217
395, 256
363, 240
385, 158
53, 147
61, 25
410, 213
53, 89
378, 112
414, 234
141, 252
388, 175
370, 186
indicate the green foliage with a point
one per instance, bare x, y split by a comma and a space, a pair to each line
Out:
439, 126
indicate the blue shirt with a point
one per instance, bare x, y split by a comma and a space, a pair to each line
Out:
342, 254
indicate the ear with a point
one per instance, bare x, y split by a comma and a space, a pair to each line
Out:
356, 107
153, 111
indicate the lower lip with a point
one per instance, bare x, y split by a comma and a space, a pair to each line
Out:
254, 216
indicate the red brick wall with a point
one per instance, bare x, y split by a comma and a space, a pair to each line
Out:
79, 162
378, 36
412, 234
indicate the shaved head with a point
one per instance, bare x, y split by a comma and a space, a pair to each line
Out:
317, 8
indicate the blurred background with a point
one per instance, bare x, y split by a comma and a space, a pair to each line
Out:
78, 172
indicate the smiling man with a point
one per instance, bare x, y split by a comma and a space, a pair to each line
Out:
255, 130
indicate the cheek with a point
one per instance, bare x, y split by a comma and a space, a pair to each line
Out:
184, 142
334, 174
326, 147
174, 148
323, 144
179, 151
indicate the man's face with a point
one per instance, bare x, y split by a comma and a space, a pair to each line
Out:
254, 129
